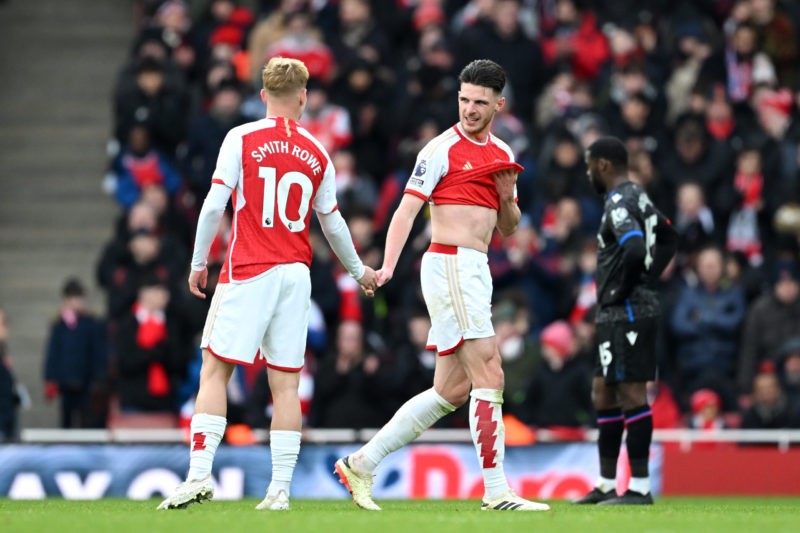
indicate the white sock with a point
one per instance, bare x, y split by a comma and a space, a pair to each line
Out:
207, 431
639, 484
409, 422
284, 447
488, 434
606, 484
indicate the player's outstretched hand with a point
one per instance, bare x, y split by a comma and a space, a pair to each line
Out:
369, 281
384, 275
197, 281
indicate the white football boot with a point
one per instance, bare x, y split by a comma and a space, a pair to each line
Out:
359, 486
189, 492
511, 502
278, 502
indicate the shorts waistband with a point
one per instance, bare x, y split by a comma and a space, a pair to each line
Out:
437, 248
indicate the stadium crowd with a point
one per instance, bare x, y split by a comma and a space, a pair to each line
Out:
704, 93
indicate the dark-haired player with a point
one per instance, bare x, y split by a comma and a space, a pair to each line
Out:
635, 244
469, 178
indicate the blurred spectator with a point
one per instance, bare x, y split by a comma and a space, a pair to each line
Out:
789, 371
137, 253
706, 410
519, 353
173, 23
9, 398
355, 191
693, 47
209, 128
349, 384
328, 122
140, 165
358, 35
779, 36
694, 221
302, 41
153, 101
770, 409
771, 321
739, 66
76, 361
414, 360
218, 17
366, 96
575, 41
694, 157
744, 231
152, 352
503, 39
705, 323
559, 391
267, 32
666, 413
585, 281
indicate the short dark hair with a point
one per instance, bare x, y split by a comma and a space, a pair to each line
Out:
486, 73
73, 288
611, 149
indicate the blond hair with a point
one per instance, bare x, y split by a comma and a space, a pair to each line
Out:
283, 76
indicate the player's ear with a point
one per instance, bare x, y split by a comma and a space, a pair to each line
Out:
501, 103
264, 96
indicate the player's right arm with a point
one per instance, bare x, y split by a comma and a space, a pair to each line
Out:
207, 226
226, 176
432, 163
399, 230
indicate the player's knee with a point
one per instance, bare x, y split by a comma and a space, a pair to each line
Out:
214, 369
456, 395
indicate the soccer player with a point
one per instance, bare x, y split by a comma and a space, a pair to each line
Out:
469, 178
635, 244
276, 171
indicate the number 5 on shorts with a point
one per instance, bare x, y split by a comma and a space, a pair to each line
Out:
605, 356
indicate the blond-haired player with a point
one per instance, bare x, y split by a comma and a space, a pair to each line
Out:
274, 172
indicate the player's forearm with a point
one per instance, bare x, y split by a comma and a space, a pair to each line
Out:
338, 235
396, 237
208, 223
508, 217
632, 268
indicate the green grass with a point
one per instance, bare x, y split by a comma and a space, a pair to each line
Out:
683, 515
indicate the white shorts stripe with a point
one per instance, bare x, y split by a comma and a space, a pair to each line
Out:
459, 310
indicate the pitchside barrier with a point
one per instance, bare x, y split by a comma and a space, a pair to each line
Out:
149, 463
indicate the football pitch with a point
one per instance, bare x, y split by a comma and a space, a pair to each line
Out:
729, 515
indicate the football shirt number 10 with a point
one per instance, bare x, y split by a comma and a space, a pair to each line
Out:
278, 189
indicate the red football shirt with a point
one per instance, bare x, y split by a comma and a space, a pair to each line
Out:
454, 169
278, 172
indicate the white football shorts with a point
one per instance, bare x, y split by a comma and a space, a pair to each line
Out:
266, 316
457, 288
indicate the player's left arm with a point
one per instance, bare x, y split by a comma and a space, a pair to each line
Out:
508, 215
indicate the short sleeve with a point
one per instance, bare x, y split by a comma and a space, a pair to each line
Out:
229, 161
431, 166
325, 199
623, 220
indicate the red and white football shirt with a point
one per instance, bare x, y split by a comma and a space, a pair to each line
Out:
454, 169
278, 172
